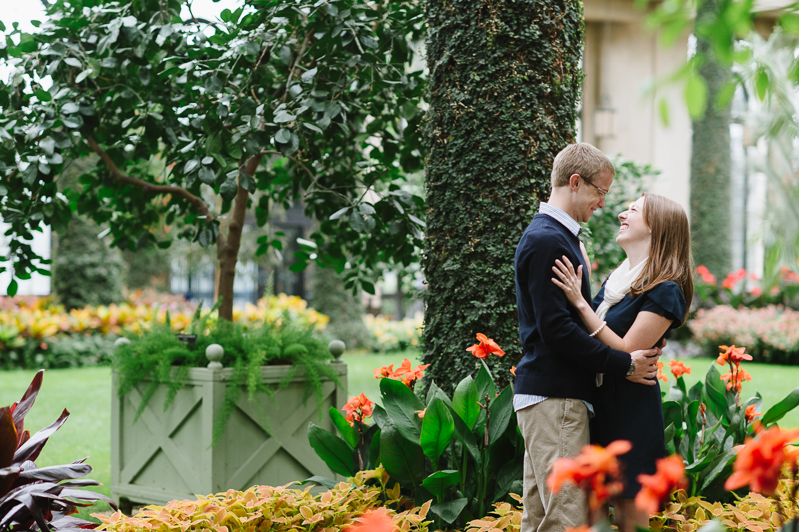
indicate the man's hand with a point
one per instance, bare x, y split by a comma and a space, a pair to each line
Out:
646, 366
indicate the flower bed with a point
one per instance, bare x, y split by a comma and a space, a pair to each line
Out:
37, 332
770, 332
393, 335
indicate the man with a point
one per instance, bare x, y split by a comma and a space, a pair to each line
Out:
556, 377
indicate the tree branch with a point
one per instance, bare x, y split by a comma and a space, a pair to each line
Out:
296, 64
311, 175
46, 4
198, 203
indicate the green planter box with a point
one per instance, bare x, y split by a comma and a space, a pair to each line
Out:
168, 455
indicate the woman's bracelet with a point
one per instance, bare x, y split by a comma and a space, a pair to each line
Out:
599, 329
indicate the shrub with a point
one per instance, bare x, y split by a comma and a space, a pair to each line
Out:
742, 288
279, 509
85, 270
770, 331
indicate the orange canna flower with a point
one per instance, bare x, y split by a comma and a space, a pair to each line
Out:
485, 348
736, 379
420, 413
660, 372
732, 353
376, 520
595, 470
751, 414
678, 369
385, 371
513, 371
655, 489
358, 407
404, 373
760, 461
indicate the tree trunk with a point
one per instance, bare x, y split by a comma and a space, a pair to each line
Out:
228, 248
711, 162
503, 88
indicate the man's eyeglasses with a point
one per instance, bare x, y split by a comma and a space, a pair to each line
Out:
602, 191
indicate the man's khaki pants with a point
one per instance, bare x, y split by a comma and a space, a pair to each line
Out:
552, 429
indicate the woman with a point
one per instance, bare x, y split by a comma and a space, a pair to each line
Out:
639, 302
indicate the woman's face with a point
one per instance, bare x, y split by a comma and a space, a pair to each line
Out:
633, 229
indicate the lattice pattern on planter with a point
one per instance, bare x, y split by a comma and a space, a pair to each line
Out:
167, 455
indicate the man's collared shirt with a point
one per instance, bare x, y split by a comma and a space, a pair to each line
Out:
522, 401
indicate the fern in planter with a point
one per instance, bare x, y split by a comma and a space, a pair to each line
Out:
160, 359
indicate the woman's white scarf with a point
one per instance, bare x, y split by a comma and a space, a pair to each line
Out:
618, 285
616, 288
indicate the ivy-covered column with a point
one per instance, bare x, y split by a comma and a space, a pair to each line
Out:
504, 86
711, 160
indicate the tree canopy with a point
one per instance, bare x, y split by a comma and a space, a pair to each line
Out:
279, 100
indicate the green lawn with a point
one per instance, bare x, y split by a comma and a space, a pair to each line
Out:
86, 393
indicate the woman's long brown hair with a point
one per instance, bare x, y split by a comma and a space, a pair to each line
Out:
669, 250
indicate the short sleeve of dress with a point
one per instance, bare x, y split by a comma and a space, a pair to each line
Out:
666, 300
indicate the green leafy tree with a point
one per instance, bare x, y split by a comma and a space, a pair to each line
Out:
503, 89
312, 101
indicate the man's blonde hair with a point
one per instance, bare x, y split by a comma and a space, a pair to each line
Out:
579, 158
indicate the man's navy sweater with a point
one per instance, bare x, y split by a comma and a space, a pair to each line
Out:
560, 358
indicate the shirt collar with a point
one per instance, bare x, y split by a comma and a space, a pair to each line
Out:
565, 220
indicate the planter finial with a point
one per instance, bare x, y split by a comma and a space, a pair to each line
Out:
336, 348
214, 352
121, 341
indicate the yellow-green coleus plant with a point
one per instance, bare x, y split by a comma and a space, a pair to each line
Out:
277, 509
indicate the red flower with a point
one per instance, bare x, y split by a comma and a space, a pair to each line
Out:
595, 470
657, 488
707, 277
751, 414
756, 291
660, 374
376, 520
485, 348
678, 369
358, 407
760, 461
732, 353
736, 378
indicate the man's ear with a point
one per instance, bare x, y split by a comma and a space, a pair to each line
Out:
574, 182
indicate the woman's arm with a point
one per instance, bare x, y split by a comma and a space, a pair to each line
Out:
645, 332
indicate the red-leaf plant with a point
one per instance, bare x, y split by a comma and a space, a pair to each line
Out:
34, 498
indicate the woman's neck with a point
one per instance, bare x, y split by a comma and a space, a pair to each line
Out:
637, 253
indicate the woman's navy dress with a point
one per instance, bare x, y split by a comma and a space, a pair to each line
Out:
626, 410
